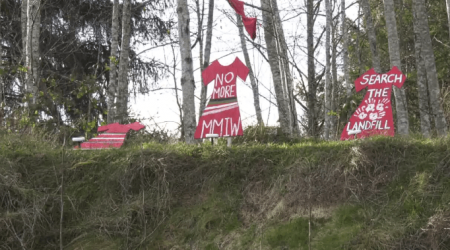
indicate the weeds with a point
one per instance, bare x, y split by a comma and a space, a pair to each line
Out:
379, 193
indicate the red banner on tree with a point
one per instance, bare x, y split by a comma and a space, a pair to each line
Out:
374, 114
249, 22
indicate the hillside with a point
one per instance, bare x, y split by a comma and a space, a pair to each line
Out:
380, 193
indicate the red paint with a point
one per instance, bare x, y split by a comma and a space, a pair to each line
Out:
249, 22
222, 116
120, 128
374, 114
113, 137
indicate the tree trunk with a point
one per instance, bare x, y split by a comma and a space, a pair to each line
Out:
36, 34
430, 65
344, 36
271, 43
187, 75
200, 51
2, 85
448, 14
112, 87
24, 21
334, 83
371, 34
207, 53
208, 38
180, 106
250, 73
394, 56
312, 129
282, 73
284, 59
327, 105
422, 89
358, 44
122, 81
32, 48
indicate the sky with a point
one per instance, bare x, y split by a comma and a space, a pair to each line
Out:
159, 109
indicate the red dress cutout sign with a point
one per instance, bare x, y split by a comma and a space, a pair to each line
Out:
114, 136
222, 115
249, 22
374, 114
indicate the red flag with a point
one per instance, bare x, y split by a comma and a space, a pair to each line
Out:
249, 22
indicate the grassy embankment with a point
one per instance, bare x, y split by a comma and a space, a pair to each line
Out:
381, 193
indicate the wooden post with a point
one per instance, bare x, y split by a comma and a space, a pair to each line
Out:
212, 136
79, 140
354, 132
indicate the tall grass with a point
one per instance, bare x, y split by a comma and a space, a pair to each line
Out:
379, 193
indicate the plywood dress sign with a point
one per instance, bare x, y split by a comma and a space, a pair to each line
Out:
374, 114
221, 116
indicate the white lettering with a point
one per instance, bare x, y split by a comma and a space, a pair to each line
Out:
361, 126
386, 125
216, 93
235, 127
390, 80
384, 78
366, 78
226, 77
218, 124
207, 126
227, 94
385, 92
373, 124
213, 126
222, 92
379, 126
367, 125
372, 79
226, 126
218, 79
377, 79
378, 92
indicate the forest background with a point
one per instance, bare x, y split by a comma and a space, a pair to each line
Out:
62, 64
69, 66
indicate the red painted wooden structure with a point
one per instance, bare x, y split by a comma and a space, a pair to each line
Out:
374, 114
113, 137
222, 115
